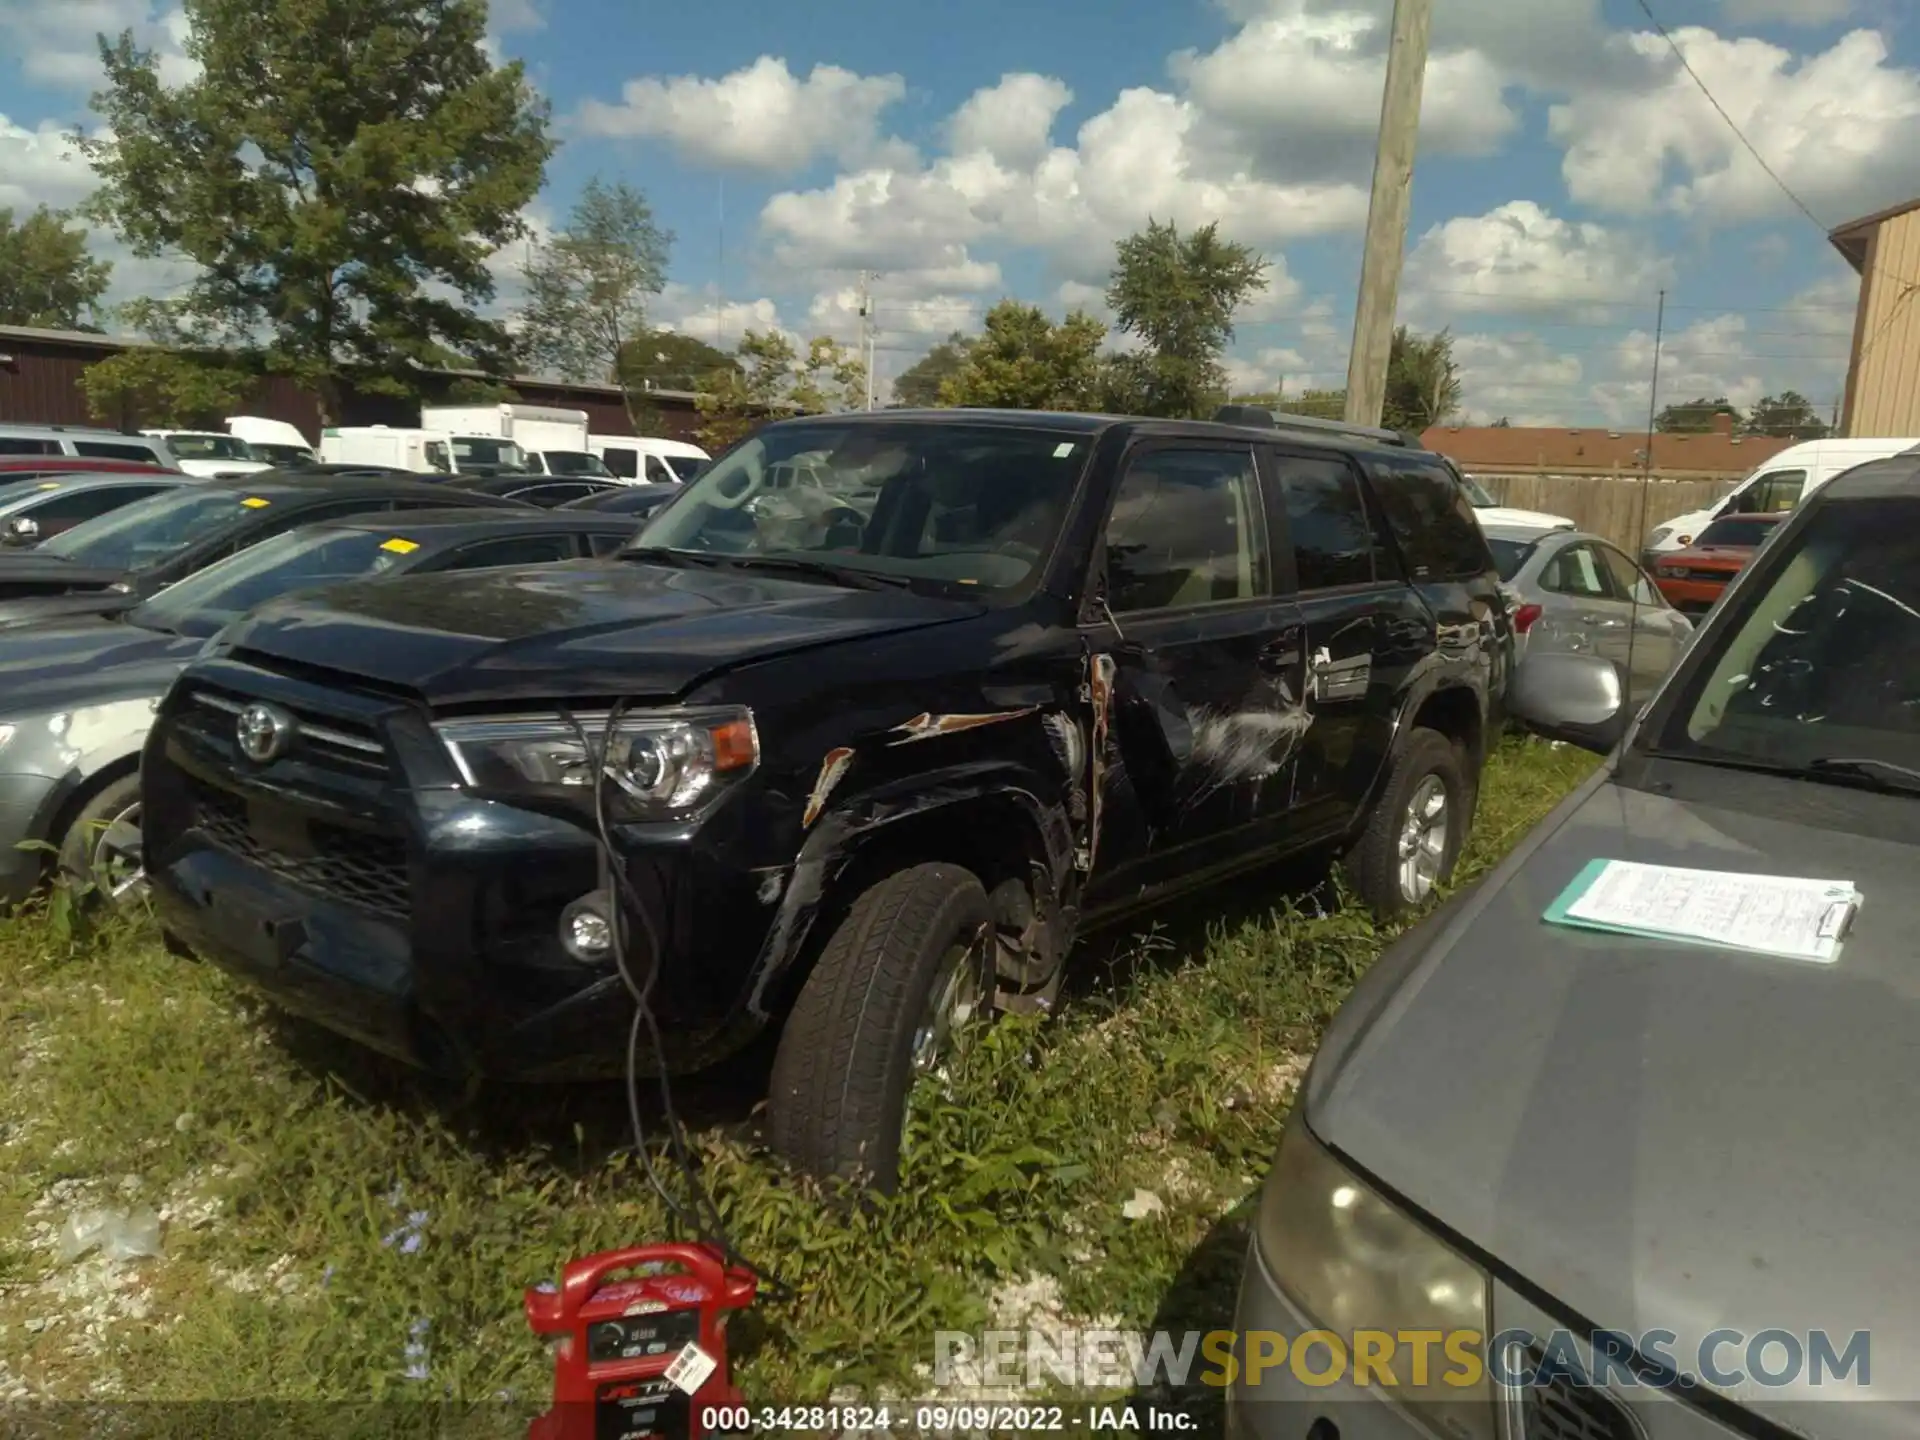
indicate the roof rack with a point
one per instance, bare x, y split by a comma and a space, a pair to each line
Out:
1261, 418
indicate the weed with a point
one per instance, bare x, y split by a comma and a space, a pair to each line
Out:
332, 1235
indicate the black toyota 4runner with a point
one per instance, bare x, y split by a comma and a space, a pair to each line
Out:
899, 703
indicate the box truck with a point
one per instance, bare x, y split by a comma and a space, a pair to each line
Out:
551, 440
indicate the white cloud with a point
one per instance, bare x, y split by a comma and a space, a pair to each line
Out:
1840, 127
58, 46
1010, 122
762, 117
41, 166
1786, 12
507, 16
1519, 259
704, 313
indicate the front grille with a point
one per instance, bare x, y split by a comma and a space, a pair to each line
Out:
326, 739
1562, 1410
354, 867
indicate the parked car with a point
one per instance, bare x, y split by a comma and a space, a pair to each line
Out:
275, 441
84, 442
647, 459
115, 561
48, 467
1577, 593
533, 489
34, 510
210, 453
1519, 1128
1073, 665
638, 500
1694, 578
81, 795
1492, 513
1775, 487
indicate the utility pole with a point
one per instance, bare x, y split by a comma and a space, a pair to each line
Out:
866, 329
1386, 240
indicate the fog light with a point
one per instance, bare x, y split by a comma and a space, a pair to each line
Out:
586, 928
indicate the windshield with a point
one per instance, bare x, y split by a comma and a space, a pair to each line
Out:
149, 531
297, 560
209, 447
14, 490
950, 503
472, 450
1510, 555
283, 454
576, 462
1822, 656
1735, 532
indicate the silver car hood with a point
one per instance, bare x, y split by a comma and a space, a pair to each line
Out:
1659, 1135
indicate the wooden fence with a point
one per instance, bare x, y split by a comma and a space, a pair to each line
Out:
1607, 505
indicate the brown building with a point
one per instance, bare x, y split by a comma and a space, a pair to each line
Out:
1512, 449
1883, 372
40, 385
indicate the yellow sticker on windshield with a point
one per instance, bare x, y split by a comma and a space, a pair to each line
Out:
401, 547
50, 485
254, 502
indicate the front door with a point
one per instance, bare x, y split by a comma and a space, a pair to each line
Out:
1202, 724
1655, 630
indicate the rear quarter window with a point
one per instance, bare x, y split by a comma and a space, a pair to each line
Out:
1432, 521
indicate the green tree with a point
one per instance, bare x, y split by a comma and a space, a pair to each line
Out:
173, 389
1323, 404
919, 384
1178, 296
670, 360
1023, 361
1695, 417
47, 278
1788, 415
588, 287
737, 398
340, 170
1423, 384
830, 379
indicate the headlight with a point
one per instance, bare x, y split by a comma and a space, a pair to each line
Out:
1358, 1266
662, 764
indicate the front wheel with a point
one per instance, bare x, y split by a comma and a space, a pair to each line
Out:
1415, 835
100, 853
907, 970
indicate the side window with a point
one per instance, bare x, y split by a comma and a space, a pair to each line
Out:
1432, 521
1186, 530
610, 544
1770, 494
622, 463
519, 550
1326, 521
658, 472
103, 450
1577, 571
15, 445
438, 458
1628, 581
78, 505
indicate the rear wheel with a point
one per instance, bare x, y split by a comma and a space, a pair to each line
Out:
904, 974
101, 851
1415, 835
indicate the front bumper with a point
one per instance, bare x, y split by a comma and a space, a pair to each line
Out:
25, 803
363, 890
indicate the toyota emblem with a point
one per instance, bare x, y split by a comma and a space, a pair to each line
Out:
263, 733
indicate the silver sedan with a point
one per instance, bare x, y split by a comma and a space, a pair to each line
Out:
1572, 591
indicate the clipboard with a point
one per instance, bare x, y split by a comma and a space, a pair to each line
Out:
1825, 930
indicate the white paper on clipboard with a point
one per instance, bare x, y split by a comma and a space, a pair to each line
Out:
1790, 916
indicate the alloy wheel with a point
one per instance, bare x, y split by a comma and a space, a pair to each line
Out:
1424, 834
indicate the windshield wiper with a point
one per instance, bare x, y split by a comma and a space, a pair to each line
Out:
1880, 774
661, 555
848, 575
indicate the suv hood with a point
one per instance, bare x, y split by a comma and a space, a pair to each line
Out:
586, 627
26, 575
1537, 519
1656, 1134
59, 667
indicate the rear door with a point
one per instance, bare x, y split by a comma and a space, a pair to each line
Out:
1362, 631
1202, 648
1656, 629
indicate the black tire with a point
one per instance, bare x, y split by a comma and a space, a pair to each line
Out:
1376, 862
80, 844
845, 1065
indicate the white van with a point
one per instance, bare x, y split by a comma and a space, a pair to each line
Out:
274, 441
209, 453
646, 460
1780, 484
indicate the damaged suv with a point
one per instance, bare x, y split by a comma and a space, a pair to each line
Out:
862, 769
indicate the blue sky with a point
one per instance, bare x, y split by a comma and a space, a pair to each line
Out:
1569, 171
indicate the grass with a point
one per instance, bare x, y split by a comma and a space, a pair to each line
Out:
323, 1215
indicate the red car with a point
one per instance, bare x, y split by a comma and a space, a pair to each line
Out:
36, 467
1693, 578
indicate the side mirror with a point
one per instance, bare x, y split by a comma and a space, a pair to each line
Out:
1580, 699
22, 530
